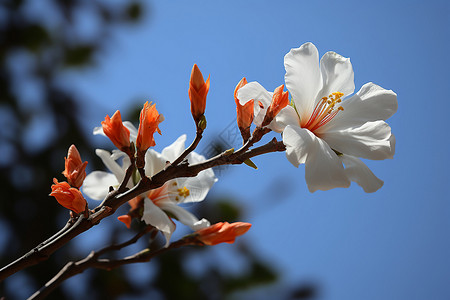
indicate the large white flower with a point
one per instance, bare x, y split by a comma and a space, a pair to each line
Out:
323, 130
160, 201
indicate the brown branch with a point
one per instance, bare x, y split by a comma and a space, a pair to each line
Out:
191, 148
115, 199
73, 268
93, 261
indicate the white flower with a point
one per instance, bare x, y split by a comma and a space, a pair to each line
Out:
322, 129
160, 201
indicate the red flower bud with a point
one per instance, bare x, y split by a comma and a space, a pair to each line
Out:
222, 232
148, 124
126, 219
280, 100
245, 113
116, 132
69, 197
198, 89
75, 170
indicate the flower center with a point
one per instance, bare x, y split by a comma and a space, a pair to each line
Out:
183, 192
324, 111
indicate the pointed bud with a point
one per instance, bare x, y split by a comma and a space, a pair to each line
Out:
75, 170
148, 124
136, 209
116, 132
245, 113
126, 219
70, 198
280, 100
222, 232
198, 89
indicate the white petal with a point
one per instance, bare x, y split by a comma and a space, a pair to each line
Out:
117, 154
337, 75
287, 116
195, 158
96, 184
98, 130
323, 168
203, 223
371, 103
303, 78
154, 216
298, 142
254, 90
127, 124
358, 172
392, 141
154, 162
180, 213
373, 140
173, 151
132, 129
111, 164
199, 185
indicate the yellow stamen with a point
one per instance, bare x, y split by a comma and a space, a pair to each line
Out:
183, 192
324, 111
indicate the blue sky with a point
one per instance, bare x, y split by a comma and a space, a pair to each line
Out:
392, 244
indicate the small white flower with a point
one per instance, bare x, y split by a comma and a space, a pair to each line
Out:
322, 129
160, 201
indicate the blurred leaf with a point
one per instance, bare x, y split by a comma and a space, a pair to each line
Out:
133, 11
259, 274
79, 56
34, 37
304, 291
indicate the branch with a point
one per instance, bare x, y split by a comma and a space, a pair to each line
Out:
93, 261
191, 148
73, 268
115, 198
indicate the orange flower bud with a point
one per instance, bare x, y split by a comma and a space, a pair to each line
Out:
116, 132
280, 100
135, 210
148, 124
75, 170
69, 197
222, 232
126, 219
245, 113
198, 89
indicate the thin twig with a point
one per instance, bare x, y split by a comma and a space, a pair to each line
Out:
191, 148
73, 268
92, 261
115, 199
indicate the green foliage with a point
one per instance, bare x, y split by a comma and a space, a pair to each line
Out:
35, 37
79, 56
134, 11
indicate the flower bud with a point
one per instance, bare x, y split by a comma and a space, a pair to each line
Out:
280, 100
69, 197
75, 169
198, 89
222, 232
116, 132
126, 219
245, 113
148, 124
